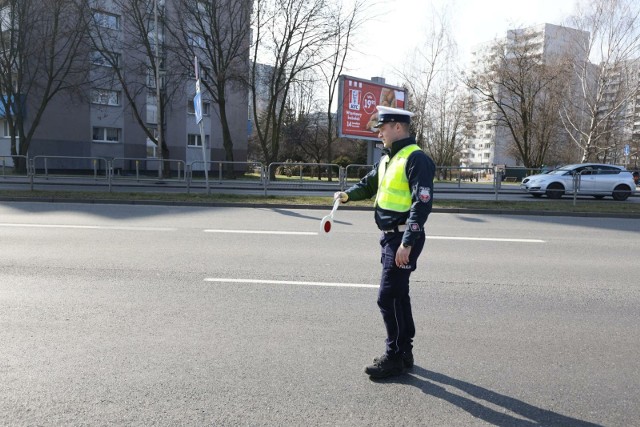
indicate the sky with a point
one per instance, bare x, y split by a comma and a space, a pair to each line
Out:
384, 43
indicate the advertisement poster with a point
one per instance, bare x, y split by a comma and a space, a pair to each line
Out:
358, 99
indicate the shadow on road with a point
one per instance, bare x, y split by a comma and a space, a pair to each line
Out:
292, 213
524, 414
124, 210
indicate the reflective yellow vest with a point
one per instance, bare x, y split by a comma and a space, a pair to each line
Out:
394, 193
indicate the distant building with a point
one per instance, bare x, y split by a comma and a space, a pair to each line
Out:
488, 144
100, 122
621, 88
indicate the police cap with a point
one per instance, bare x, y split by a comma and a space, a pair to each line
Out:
389, 114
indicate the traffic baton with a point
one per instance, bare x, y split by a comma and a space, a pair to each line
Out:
327, 222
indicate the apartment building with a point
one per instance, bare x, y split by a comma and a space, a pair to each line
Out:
619, 114
103, 120
488, 144
632, 155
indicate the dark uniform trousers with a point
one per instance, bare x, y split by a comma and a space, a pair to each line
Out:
393, 295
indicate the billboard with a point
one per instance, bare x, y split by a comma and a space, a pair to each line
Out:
357, 101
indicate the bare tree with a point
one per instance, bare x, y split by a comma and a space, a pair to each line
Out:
289, 35
596, 108
520, 87
304, 135
339, 45
218, 33
149, 75
434, 96
40, 59
304, 138
443, 125
430, 66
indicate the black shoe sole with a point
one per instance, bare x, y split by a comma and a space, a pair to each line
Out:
386, 374
404, 363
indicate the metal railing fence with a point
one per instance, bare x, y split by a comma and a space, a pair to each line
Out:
275, 176
58, 167
226, 173
126, 168
282, 175
8, 168
254, 175
354, 173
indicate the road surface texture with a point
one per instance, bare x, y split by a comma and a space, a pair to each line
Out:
151, 315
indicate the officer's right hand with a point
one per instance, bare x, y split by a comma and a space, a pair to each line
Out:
342, 196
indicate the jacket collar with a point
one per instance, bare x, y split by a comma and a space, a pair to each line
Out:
399, 145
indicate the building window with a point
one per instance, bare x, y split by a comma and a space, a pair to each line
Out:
195, 40
202, 6
104, 134
194, 140
106, 20
205, 74
105, 97
105, 59
152, 107
151, 149
6, 132
151, 77
206, 108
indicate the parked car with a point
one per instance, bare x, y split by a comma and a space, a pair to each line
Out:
592, 179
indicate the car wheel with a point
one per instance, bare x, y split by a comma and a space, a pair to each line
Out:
621, 192
599, 197
555, 190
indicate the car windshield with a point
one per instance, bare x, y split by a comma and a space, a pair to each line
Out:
560, 171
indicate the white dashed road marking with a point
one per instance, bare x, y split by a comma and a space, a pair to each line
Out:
289, 233
272, 232
89, 227
486, 239
288, 282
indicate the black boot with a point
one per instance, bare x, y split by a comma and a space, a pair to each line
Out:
407, 359
385, 366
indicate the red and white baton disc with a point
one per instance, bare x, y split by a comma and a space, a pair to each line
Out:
327, 222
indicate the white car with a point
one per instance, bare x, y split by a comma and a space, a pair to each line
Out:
592, 179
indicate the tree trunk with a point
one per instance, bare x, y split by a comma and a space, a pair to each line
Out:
227, 142
20, 165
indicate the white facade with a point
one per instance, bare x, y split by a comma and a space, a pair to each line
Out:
488, 144
623, 83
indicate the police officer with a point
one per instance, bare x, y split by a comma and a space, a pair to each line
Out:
402, 182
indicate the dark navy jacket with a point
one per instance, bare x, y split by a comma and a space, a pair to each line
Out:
420, 171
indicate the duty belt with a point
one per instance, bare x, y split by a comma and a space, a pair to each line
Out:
397, 229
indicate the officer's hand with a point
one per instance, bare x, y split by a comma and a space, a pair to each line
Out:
402, 256
341, 195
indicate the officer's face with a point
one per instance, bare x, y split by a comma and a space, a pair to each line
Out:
389, 133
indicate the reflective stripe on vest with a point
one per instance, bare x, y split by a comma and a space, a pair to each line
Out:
394, 193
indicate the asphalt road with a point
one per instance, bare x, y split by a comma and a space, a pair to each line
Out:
148, 315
